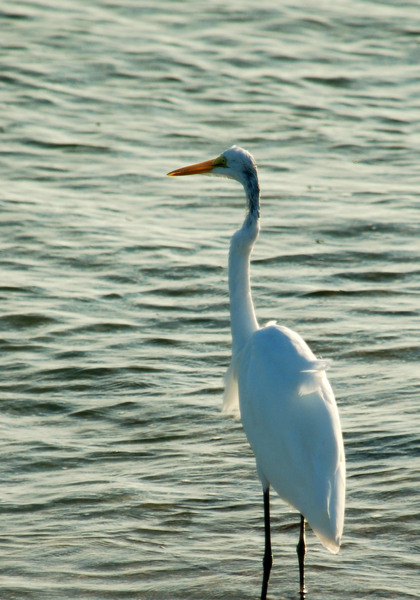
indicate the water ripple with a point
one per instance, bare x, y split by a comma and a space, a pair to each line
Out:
122, 480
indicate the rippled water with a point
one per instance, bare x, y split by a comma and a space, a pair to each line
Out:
120, 478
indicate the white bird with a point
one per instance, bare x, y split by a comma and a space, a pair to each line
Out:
286, 403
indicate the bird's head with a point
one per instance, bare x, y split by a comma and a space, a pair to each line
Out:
234, 163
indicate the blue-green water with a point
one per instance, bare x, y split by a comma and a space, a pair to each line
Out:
119, 476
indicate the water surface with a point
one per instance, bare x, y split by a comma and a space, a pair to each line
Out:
120, 478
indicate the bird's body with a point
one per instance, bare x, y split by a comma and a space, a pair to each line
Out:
305, 463
281, 390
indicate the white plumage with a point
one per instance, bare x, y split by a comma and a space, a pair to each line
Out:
291, 421
281, 391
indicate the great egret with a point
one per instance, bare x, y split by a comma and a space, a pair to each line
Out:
286, 403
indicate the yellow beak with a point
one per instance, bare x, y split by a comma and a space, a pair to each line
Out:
202, 167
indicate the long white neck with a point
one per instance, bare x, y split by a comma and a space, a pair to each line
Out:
242, 315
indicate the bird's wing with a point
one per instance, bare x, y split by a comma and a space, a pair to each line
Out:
290, 417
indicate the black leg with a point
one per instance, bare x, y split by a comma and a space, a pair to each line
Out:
300, 549
268, 558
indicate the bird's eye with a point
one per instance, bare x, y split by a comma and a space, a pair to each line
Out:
221, 161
